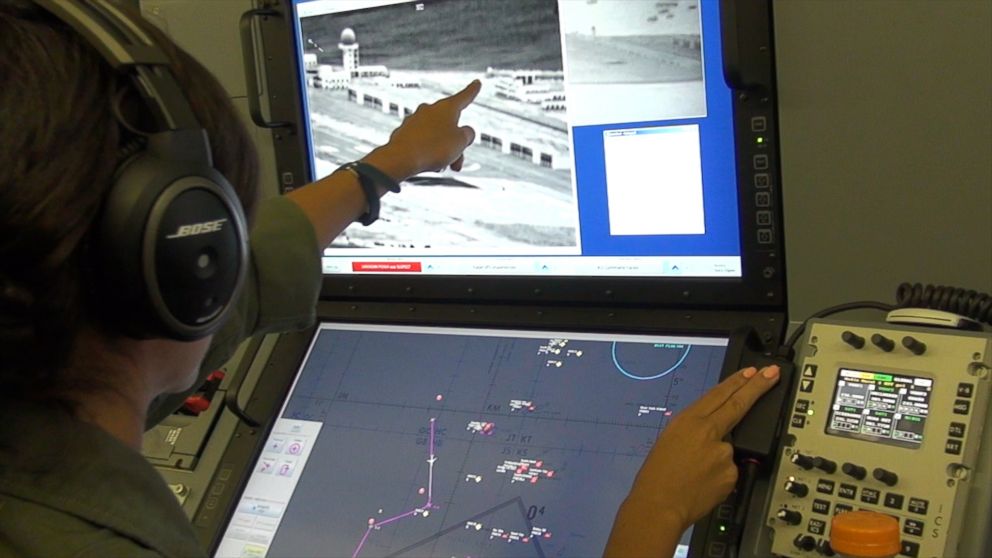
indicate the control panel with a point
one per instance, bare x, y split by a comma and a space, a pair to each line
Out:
178, 446
886, 418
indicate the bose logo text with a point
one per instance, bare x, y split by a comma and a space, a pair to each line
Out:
198, 228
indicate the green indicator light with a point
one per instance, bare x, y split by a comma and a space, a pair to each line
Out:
723, 528
810, 412
760, 140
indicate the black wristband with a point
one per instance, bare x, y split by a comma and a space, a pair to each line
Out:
370, 178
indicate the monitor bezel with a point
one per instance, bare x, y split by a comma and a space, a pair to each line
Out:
748, 67
288, 353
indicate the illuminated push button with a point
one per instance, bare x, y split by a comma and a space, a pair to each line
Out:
883, 342
796, 488
802, 461
825, 465
885, 476
853, 339
855, 471
791, 517
824, 548
914, 345
805, 543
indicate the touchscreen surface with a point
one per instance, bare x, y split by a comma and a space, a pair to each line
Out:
424, 441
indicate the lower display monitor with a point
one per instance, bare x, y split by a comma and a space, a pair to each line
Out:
429, 441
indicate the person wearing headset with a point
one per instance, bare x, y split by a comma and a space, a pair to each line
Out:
82, 369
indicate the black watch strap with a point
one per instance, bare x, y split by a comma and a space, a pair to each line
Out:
370, 179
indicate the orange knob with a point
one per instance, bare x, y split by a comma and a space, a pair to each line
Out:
865, 534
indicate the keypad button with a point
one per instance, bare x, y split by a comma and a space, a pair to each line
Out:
802, 405
910, 548
816, 526
717, 550
966, 390
848, 491
841, 508
821, 507
918, 506
724, 512
870, 495
913, 527
893, 500
798, 421
824, 486
956, 430
762, 180
760, 162
962, 406
952, 447
759, 124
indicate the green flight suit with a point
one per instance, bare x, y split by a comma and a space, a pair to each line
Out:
68, 488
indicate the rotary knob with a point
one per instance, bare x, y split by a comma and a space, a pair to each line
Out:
883, 342
914, 345
855, 471
853, 339
805, 542
791, 517
825, 465
792, 486
802, 461
885, 476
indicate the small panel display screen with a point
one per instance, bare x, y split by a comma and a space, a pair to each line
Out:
885, 407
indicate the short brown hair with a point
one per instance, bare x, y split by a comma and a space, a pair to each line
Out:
59, 148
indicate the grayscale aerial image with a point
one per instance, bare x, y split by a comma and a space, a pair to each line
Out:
367, 69
633, 60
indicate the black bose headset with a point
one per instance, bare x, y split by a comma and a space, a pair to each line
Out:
171, 239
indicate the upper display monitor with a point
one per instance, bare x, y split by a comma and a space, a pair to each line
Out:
605, 142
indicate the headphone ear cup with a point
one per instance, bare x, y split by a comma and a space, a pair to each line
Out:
172, 249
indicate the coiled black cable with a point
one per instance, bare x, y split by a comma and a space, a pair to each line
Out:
964, 302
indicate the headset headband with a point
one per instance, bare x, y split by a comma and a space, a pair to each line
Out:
128, 48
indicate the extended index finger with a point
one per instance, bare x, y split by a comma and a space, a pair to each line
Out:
465, 97
726, 416
718, 395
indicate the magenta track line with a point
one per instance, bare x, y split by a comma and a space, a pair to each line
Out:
422, 510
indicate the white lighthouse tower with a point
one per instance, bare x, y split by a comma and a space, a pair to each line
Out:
349, 51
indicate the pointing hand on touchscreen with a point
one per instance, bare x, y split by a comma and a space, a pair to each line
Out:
430, 138
689, 470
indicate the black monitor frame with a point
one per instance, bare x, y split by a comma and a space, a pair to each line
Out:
748, 69
231, 476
